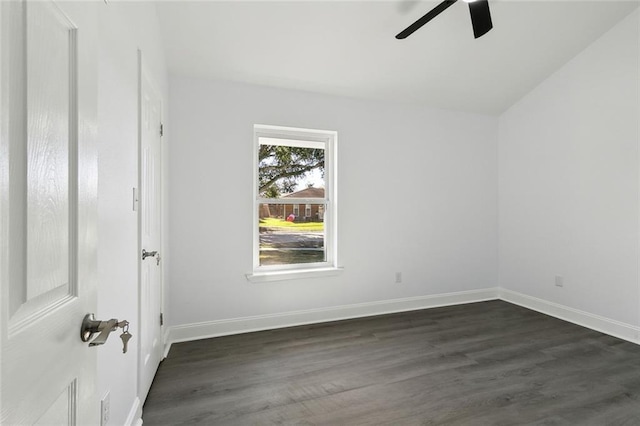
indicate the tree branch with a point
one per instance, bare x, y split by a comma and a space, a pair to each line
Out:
292, 173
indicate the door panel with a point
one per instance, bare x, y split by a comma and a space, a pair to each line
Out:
47, 209
42, 247
50, 45
62, 410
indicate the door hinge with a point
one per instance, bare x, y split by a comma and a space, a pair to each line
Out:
161, 318
135, 199
161, 129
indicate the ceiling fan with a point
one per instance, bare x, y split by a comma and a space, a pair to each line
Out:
480, 17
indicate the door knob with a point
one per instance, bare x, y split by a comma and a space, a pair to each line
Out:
146, 254
154, 253
91, 326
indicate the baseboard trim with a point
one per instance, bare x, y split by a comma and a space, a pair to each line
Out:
166, 342
135, 414
205, 330
225, 327
605, 325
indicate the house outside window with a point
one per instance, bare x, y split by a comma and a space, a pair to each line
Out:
293, 168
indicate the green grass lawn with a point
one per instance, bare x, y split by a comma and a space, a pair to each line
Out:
288, 257
272, 222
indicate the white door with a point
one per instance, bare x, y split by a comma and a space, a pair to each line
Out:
150, 239
48, 187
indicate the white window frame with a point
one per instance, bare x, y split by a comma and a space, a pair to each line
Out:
299, 137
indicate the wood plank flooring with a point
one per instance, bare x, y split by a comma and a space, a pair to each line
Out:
489, 363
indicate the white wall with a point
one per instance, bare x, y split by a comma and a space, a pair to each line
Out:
417, 194
124, 28
568, 182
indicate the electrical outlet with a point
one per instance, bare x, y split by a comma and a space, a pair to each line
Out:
105, 409
398, 277
559, 281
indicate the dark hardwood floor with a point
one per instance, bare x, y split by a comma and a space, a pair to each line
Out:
490, 363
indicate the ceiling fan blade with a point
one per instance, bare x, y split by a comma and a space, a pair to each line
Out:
480, 17
426, 18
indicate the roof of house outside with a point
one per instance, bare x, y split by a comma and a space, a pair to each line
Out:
310, 192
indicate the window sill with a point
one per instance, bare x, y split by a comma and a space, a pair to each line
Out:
259, 277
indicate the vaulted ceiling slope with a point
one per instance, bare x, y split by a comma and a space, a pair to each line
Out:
348, 48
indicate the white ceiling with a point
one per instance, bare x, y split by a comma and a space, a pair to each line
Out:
348, 48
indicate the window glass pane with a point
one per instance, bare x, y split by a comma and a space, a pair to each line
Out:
287, 238
290, 171
294, 183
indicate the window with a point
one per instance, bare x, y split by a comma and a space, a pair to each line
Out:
295, 169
